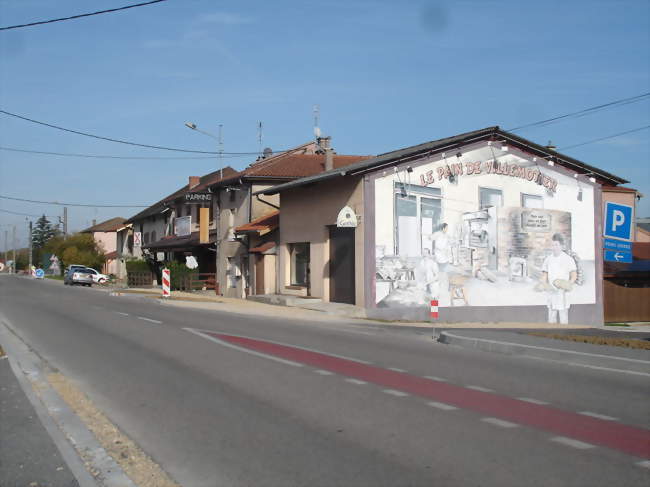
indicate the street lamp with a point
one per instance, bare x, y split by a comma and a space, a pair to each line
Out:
219, 139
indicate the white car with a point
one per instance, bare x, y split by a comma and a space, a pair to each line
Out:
98, 277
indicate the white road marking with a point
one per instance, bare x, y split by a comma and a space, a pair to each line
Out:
500, 422
644, 464
123, 314
356, 382
441, 405
479, 388
534, 401
433, 377
393, 392
599, 416
242, 349
395, 369
149, 320
573, 443
595, 367
324, 372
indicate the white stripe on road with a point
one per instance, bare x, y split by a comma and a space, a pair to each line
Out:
395, 369
571, 442
149, 320
595, 367
123, 314
356, 382
441, 405
534, 401
500, 422
242, 349
644, 464
599, 416
324, 372
393, 392
479, 388
433, 377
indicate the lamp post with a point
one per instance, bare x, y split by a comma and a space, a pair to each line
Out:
218, 138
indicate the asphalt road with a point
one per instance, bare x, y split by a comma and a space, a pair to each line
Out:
220, 399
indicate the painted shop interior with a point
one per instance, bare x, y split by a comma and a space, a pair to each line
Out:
493, 226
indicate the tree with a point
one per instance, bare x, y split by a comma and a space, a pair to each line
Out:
79, 248
42, 233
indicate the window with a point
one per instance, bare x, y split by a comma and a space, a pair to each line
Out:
531, 201
153, 236
146, 238
299, 253
188, 210
490, 197
418, 212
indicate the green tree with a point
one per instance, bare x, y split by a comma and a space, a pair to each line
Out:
79, 248
42, 233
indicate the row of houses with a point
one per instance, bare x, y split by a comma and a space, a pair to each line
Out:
469, 221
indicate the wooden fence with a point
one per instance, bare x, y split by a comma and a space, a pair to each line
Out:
140, 279
624, 304
196, 282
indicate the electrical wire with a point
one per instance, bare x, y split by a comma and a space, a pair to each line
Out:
604, 138
118, 141
97, 156
81, 15
72, 204
25, 214
586, 111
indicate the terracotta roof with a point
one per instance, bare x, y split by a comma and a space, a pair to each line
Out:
297, 165
262, 248
112, 225
618, 189
204, 182
265, 224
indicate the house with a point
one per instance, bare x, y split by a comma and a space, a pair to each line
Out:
247, 223
480, 224
105, 234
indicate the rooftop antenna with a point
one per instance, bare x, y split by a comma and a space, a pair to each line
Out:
316, 121
220, 151
259, 136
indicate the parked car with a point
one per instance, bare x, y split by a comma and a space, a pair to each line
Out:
78, 275
98, 277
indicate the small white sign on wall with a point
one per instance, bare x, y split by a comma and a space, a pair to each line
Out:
347, 218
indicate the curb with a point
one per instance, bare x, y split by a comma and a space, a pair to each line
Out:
568, 357
69, 433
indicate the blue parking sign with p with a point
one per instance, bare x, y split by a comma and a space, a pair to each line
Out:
618, 221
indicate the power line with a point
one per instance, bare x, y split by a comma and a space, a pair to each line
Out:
586, 111
97, 156
25, 214
72, 204
159, 147
81, 15
605, 138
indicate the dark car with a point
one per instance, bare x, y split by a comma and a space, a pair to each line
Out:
78, 275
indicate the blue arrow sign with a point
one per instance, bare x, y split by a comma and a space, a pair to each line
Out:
618, 256
611, 244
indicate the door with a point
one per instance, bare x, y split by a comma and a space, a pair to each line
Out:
259, 274
342, 265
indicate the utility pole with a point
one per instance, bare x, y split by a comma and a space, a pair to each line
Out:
65, 222
13, 240
31, 244
6, 246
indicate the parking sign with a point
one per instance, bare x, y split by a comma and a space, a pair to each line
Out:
618, 221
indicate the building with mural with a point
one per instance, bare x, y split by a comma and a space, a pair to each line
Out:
490, 225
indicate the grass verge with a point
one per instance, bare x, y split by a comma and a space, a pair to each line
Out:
56, 278
596, 340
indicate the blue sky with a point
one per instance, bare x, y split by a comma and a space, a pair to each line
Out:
385, 74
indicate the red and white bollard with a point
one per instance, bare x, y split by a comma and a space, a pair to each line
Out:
434, 309
166, 287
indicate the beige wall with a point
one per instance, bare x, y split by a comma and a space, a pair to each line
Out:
306, 213
260, 209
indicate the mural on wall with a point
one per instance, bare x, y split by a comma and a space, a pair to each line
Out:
496, 231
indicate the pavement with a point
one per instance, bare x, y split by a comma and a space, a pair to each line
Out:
40, 456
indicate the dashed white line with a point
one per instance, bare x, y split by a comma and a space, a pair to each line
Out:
500, 422
356, 382
479, 388
149, 320
441, 405
393, 392
395, 369
324, 372
123, 314
534, 401
573, 443
598, 416
433, 377
644, 464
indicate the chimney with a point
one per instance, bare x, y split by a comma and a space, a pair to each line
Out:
94, 222
194, 181
551, 146
325, 147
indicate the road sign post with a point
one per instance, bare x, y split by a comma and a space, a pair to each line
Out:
618, 233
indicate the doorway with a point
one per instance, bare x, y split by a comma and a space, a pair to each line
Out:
342, 289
